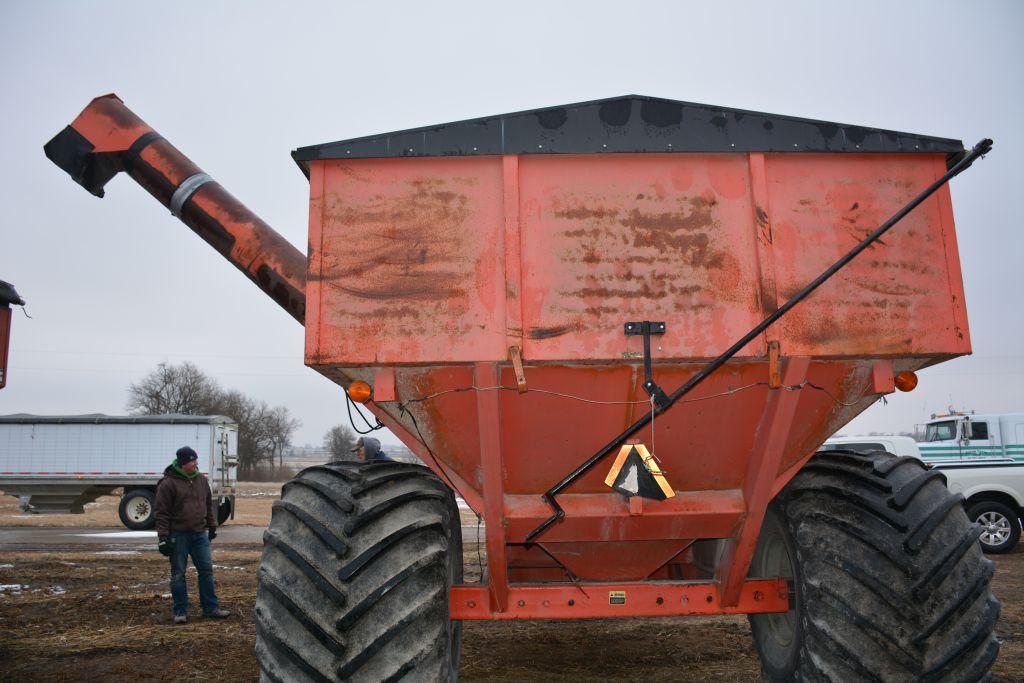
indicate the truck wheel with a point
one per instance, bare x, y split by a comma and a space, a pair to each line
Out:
138, 509
1000, 526
889, 579
223, 511
354, 579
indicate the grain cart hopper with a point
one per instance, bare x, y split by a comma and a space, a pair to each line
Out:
584, 320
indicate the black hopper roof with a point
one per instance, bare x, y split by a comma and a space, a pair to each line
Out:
632, 123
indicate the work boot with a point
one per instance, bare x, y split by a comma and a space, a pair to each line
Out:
180, 619
218, 614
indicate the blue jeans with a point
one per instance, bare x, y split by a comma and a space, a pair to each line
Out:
198, 546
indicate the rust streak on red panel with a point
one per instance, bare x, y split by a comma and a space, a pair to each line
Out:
763, 229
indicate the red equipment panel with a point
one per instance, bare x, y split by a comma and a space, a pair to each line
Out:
409, 266
611, 238
464, 257
903, 296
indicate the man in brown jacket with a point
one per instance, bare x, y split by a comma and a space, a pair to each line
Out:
185, 525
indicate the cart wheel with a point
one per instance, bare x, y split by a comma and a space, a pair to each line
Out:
354, 579
779, 637
223, 511
138, 509
1000, 526
889, 579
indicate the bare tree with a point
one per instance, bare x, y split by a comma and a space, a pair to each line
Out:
181, 389
280, 427
263, 432
340, 441
248, 414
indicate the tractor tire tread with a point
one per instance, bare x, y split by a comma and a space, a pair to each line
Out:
891, 581
316, 526
353, 583
906, 493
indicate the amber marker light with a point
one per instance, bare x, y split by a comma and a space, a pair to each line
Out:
906, 381
360, 392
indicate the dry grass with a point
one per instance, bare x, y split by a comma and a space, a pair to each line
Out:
113, 620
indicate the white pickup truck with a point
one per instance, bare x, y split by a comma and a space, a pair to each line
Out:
982, 457
58, 463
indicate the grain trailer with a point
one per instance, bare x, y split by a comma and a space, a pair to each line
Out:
619, 330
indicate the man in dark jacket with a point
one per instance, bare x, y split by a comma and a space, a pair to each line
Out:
185, 525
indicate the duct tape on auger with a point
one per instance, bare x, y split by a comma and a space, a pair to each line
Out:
636, 473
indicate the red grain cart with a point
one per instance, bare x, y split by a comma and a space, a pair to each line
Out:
584, 320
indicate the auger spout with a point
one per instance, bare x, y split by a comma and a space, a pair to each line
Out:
108, 138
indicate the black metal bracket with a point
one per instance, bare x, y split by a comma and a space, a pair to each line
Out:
647, 328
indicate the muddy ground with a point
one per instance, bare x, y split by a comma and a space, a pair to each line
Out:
102, 614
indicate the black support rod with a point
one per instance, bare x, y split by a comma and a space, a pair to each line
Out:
980, 149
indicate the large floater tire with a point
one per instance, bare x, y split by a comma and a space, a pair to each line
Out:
889, 577
354, 580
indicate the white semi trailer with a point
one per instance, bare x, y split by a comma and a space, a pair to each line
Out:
58, 463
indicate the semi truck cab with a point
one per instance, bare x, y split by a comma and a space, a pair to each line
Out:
967, 437
982, 456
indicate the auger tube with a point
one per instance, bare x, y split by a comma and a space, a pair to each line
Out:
108, 138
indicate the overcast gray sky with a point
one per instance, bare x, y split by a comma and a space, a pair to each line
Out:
117, 285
